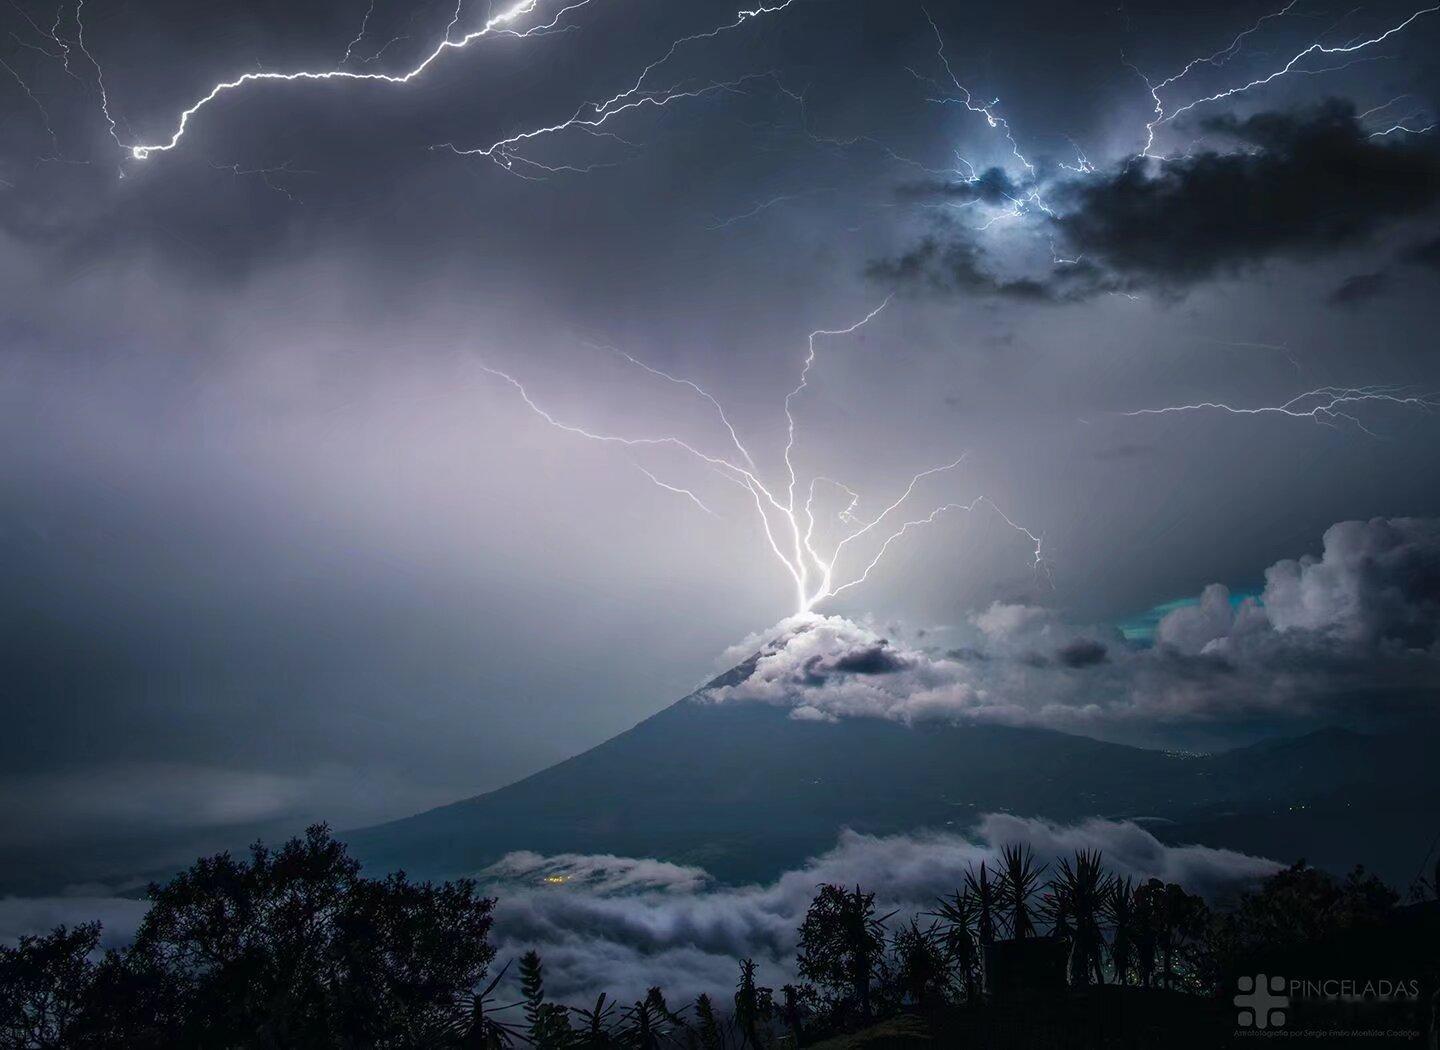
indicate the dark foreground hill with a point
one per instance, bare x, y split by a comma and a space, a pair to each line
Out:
746, 792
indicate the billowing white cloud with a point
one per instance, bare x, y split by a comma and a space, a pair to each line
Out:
622, 924
1376, 580
686, 936
1350, 636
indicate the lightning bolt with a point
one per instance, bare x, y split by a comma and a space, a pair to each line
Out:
589, 117
788, 525
1162, 115
966, 99
1401, 128
1326, 405
501, 24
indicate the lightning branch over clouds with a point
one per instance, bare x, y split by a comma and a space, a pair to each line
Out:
788, 523
509, 22
1326, 405
1164, 114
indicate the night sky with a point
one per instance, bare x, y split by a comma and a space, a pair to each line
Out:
276, 546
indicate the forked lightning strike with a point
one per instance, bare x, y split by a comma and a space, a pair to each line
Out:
789, 527
1162, 115
1327, 405
588, 117
591, 116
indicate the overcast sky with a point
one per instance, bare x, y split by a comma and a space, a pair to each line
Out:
276, 546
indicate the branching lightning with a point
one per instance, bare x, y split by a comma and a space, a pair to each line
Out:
502, 24
589, 117
1164, 115
789, 525
592, 116
1327, 405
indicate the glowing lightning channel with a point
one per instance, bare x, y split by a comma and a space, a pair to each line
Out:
590, 116
1162, 116
789, 528
1219, 58
498, 25
719, 408
1325, 405
678, 491
790, 428
967, 100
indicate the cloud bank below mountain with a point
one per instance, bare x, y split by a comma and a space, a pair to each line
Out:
604, 923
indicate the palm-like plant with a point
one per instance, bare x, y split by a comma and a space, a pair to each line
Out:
958, 920
474, 1023
983, 892
642, 1026
921, 963
596, 1030
709, 1032
754, 1005
1120, 914
1019, 882
1076, 903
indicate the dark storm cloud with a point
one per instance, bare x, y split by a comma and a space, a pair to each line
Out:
1426, 254
1361, 288
1083, 652
957, 264
1310, 182
1284, 184
874, 659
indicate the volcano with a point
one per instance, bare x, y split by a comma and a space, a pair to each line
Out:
746, 791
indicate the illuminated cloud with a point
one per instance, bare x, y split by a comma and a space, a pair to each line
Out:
1349, 636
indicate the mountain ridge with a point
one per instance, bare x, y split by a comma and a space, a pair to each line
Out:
745, 791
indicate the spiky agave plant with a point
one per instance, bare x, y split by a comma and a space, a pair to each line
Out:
596, 1029
1019, 882
473, 1023
957, 925
1076, 901
987, 902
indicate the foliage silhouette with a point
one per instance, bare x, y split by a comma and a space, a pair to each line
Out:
293, 948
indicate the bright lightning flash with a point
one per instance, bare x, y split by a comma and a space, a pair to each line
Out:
588, 118
788, 524
1326, 405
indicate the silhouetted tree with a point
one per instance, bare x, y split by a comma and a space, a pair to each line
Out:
1076, 902
841, 944
1170, 925
958, 919
293, 947
921, 970
596, 1028
708, 1031
1294, 910
799, 1003
1019, 884
642, 1025
1120, 913
475, 1025
547, 1024
44, 984
982, 892
754, 1006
